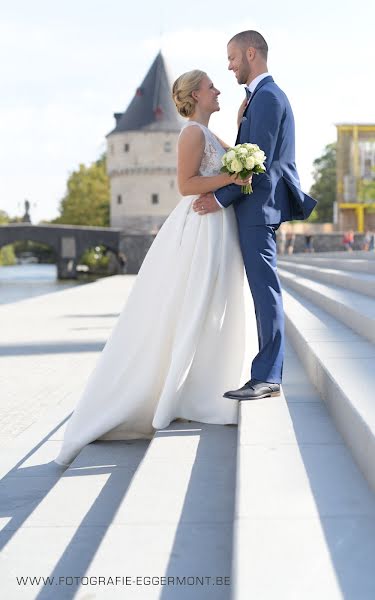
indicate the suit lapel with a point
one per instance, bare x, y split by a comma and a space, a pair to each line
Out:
258, 87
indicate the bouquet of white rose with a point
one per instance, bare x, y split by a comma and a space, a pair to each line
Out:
245, 160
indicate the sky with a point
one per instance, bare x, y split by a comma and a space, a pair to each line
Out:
66, 67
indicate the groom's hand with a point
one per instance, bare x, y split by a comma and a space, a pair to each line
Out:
206, 203
241, 111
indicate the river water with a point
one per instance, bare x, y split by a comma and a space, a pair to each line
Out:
24, 281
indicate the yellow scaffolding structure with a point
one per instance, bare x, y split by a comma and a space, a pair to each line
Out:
360, 208
349, 137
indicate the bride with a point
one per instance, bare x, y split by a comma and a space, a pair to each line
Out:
179, 342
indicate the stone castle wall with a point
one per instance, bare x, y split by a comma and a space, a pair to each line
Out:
142, 169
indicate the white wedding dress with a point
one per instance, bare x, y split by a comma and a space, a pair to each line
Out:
179, 342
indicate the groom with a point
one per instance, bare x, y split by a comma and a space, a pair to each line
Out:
267, 120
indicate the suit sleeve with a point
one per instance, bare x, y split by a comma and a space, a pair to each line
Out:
265, 121
218, 202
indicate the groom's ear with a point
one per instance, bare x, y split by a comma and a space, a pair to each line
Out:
250, 53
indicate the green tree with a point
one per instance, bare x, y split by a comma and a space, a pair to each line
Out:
4, 217
324, 187
87, 198
367, 190
96, 259
7, 256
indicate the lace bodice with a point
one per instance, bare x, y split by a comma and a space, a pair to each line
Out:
213, 151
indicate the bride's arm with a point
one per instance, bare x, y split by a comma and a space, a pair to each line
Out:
190, 152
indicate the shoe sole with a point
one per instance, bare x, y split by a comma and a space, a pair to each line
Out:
270, 395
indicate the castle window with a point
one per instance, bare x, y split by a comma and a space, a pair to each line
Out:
112, 149
126, 147
119, 199
155, 198
167, 147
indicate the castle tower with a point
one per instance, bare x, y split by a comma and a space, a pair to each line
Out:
141, 155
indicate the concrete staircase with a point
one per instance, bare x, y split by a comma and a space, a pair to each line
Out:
282, 509
304, 523
330, 319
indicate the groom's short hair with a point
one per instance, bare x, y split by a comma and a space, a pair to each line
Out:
251, 38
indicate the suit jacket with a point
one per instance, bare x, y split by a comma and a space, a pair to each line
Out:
277, 196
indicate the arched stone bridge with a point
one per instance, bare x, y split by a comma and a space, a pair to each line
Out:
70, 241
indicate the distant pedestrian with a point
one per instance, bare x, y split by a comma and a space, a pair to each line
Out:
123, 262
369, 241
372, 243
290, 240
348, 240
282, 240
309, 247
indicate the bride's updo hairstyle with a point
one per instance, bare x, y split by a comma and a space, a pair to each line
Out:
182, 91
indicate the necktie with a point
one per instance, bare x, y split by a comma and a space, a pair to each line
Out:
248, 94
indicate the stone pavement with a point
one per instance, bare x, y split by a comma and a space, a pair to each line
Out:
279, 511
48, 347
81, 518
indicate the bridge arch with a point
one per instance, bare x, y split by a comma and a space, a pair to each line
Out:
68, 241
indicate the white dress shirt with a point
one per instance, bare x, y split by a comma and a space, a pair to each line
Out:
251, 87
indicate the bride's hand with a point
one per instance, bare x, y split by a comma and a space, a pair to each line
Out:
235, 178
241, 111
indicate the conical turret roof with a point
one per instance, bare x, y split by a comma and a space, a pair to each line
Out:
152, 107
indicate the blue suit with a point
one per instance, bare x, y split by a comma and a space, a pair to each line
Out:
268, 121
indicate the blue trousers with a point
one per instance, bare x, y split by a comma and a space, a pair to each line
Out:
258, 245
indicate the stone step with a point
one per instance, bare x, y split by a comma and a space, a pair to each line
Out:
136, 509
340, 363
363, 283
355, 255
353, 309
303, 508
346, 262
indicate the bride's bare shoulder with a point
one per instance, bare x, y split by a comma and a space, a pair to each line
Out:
192, 136
192, 131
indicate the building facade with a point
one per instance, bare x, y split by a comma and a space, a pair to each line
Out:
355, 176
142, 156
